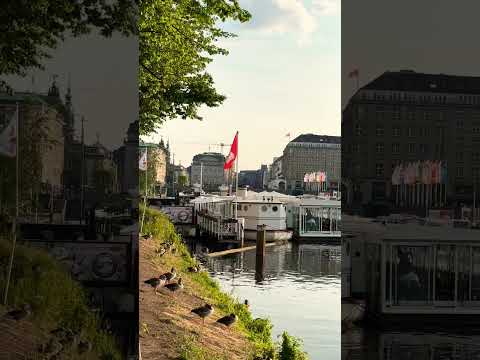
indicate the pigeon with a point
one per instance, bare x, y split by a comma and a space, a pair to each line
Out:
228, 320
170, 275
174, 287
203, 311
20, 314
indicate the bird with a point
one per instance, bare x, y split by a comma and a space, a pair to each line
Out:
228, 320
173, 250
247, 304
203, 311
157, 282
194, 269
84, 346
161, 251
171, 275
174, 287
146, 236
20, 314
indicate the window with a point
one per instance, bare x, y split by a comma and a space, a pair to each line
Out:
411, 115
396, 131
423, 148
379, 131
396, 148
476, 156
358, 130
379, 148
459, 172
379, 169
411, 132
411, 148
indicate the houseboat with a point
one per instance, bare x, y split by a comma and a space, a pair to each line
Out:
412, 269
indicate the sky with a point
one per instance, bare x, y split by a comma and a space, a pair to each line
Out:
104, 81
425, 36
282, 76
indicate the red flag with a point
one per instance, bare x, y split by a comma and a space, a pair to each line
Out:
353, 73
233, 154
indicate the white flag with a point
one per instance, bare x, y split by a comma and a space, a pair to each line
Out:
8, 138
142, 165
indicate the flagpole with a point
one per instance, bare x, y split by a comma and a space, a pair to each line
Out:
145, 197
236, 182
15, 221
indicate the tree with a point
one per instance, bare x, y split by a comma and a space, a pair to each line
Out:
29, 29
178, 39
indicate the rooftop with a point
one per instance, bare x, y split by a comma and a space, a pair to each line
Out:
409, 80
312, 138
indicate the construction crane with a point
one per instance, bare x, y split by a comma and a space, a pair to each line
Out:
220, 145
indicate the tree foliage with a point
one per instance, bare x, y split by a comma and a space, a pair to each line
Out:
29, 29
177, 40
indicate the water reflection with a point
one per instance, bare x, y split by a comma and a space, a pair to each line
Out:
299, 291
369, 344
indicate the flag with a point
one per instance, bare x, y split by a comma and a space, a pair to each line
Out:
353, 73
305, 178
8, 137
233, 153
142, 164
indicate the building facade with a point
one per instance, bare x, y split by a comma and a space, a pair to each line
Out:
406, 116
207, 170
311, 153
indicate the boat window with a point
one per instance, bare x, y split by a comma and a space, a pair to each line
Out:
264, 208
275, 208
245, 207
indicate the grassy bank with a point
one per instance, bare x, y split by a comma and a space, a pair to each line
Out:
56, 300
258, 331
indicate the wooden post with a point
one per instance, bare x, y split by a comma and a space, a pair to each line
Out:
260, 258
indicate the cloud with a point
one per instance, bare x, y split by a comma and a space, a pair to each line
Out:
326, 7
282, 17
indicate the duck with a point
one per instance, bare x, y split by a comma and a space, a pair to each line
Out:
194, 269
247, 304
146, 236
203, 311
20, 314
174, 287
170, 275
157, 282
228, 320
161, 251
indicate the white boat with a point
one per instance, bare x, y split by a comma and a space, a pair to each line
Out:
265, 211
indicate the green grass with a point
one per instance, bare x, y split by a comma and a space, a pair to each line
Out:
257, 331
56, 299
191, 351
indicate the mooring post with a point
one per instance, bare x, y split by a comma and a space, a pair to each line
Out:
260, 259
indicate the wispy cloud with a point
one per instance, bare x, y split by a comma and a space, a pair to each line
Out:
297, 17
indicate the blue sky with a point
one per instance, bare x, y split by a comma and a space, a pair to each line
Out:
282, 76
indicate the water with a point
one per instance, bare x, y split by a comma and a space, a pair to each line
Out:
300, 293
360, 344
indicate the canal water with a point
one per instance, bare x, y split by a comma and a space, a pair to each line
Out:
299, 293
362, 344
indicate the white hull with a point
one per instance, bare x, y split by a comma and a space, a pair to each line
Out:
271, 235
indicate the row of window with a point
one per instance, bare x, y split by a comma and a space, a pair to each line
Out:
380, 171
423, 99
411, 131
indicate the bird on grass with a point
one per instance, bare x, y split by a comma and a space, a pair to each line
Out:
147, 236
174, 287
170, 275
20, 314
247, 304
194, 269
156, 282
161, 251
203, 311
228, 320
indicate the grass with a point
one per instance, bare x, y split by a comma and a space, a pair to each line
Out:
191, 351
257, 331
56, 299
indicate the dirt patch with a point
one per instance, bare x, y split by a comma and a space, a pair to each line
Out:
165, 318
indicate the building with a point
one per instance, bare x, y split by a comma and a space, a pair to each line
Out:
207, 170
159, 159
126, 159
405, 116
248, 178
41, 139
311, 153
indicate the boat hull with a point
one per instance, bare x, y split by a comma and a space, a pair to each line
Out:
271, 235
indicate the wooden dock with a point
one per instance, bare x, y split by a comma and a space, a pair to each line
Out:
237, 250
